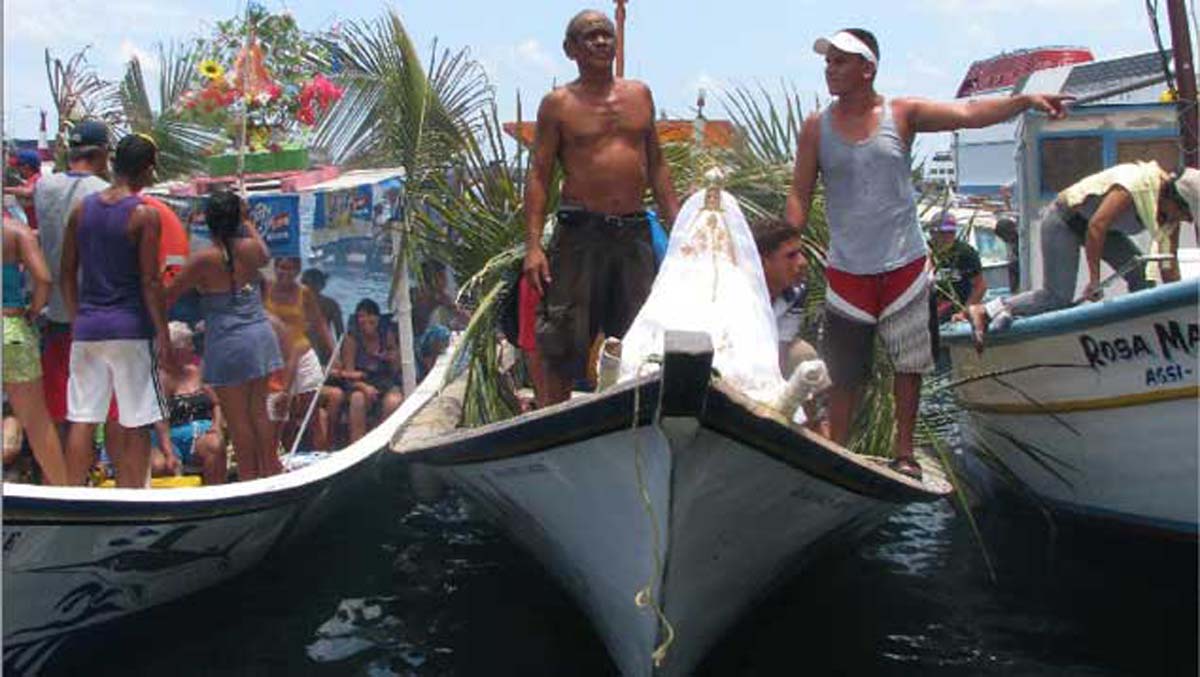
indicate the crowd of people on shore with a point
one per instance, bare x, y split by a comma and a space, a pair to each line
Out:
180, 356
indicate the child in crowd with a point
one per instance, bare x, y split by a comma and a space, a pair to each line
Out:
191, 437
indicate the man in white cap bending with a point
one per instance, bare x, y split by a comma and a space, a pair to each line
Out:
1099, 213
877, 281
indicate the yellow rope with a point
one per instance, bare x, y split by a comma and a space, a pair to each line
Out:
645, 596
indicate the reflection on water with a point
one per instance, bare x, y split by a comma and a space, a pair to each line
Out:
394, 587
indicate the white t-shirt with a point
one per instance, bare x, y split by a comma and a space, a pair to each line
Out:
789, 313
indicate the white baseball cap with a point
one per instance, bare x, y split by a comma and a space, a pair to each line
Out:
1188, 185
845, 41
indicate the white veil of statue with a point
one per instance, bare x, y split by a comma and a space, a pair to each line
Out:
712, 281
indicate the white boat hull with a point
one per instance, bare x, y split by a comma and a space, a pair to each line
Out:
704, 516
61, 578
78, 557
1094, 409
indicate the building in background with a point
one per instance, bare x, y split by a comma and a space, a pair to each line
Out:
940, 169
983, 158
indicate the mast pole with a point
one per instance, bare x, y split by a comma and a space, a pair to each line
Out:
1185, 78
620, 16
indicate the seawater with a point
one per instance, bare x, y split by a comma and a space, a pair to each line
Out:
349, 285
394, 586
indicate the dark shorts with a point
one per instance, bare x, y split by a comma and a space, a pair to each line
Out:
601, 271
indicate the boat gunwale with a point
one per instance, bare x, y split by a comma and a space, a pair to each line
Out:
32, 504
1086, 316
725, 411
733, 414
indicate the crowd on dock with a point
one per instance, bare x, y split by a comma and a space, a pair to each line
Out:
126, 354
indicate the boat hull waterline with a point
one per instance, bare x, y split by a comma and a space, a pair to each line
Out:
1094, 409
79, 557
704, 509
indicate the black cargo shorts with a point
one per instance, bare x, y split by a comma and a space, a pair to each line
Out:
601, 271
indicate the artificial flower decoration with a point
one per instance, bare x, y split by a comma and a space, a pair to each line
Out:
319, 90
212, 70
250, 74
257, 78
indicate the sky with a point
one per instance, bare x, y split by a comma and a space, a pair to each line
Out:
676, 46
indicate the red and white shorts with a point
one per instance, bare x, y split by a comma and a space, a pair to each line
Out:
895, 304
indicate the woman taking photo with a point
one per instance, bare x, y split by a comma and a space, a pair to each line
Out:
239, 347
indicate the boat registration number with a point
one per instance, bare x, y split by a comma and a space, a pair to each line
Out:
1171, 373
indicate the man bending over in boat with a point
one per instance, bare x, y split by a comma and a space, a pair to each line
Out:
860, 146
601, 262
786, 273
1099, 213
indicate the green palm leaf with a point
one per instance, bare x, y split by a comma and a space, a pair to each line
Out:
397, 111
181, 145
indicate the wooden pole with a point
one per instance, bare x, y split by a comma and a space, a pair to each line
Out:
620, 14
1185, 78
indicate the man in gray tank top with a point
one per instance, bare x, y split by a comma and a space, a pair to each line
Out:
877, 279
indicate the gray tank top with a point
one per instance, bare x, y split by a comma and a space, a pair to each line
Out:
869, 201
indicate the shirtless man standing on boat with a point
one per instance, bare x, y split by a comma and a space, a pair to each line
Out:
877, 262
600, 265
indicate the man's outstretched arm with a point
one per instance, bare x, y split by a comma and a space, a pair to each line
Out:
939, 116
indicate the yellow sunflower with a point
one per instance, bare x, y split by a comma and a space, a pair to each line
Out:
211, 69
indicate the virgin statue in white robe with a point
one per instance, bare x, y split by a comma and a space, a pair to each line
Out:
712, 281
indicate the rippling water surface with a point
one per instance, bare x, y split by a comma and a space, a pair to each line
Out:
395, 587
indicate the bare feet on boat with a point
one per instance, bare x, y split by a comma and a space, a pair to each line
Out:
978, 317
907, 466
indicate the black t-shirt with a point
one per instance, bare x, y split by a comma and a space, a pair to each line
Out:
956, 268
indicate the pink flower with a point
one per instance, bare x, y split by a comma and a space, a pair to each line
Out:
306, 115
320, 90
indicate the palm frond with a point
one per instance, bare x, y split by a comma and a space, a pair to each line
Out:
181, 144
134, 100
77, 92
394, 110
488, 398
769, 130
